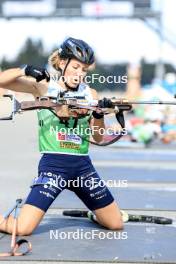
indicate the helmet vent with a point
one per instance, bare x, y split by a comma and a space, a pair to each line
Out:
79, 51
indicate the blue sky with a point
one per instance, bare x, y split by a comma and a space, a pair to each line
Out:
113, 40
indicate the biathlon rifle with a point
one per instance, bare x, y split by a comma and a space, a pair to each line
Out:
78, 106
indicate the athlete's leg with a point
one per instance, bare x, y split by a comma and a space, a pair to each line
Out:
97, 197
110, 216
28, 219
106, 209
37, 203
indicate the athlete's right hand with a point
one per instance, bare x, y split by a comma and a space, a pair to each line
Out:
37, 72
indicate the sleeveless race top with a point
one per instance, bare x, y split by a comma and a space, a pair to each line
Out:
54, 135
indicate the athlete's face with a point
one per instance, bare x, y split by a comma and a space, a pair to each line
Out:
75, 73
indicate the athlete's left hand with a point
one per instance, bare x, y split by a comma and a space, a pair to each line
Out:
105, 103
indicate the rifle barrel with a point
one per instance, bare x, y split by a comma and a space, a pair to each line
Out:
153, 102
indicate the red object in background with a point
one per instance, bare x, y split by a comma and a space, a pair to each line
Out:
136, 121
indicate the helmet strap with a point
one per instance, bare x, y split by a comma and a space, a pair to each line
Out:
66, 84
63, 73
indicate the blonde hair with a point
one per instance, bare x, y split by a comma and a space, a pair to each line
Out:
54, 60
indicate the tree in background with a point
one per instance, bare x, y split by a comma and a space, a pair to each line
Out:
31, 53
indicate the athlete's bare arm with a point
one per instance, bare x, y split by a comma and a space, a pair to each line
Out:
15, 80
97, 122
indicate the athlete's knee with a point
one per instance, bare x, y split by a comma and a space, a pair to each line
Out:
114, 222
112, 225
24, 230
29, 218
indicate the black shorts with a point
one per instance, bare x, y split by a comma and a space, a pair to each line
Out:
57, 172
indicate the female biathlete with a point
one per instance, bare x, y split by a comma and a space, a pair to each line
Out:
64, 157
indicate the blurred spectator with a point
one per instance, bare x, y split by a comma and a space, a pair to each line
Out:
170, 83
1, 90
169, 130
147, 129
133, 84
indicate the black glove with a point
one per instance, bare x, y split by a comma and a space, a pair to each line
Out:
105, 103
37, 72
